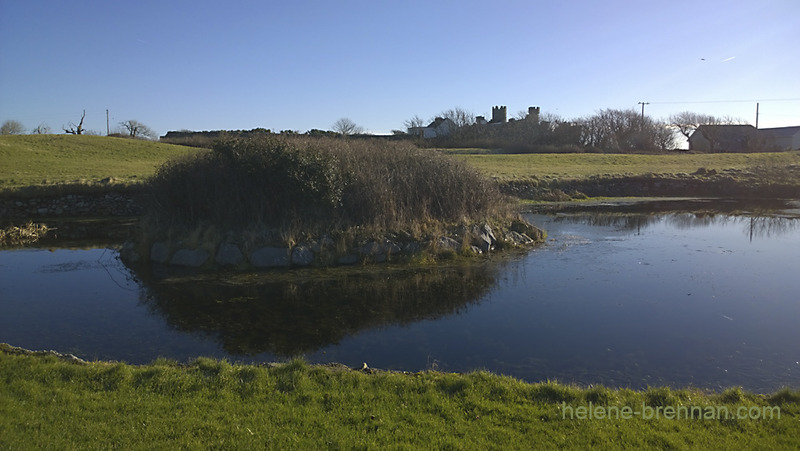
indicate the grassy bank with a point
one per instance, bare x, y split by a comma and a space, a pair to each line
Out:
47, 402
27, 160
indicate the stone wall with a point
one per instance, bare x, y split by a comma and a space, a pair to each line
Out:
467, 240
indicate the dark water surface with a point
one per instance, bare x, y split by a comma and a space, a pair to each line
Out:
621, 299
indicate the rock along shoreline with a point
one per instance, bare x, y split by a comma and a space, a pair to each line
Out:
466, 240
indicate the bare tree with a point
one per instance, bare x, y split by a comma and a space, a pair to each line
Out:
521, 115
76, 129
624, 131
345, 126
551, 118
12, 127
687, 122
414, 122
136, 129
459, 116
41, 129
663, 137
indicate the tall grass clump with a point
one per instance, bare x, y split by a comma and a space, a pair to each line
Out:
320, 186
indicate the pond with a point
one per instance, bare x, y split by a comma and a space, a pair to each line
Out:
695, 294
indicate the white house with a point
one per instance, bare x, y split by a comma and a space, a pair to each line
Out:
439, 127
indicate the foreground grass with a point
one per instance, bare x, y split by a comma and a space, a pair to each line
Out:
56, 159
47, 402
581, 166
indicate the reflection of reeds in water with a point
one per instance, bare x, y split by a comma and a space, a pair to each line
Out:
756, 223
769, 226
618, 221
302, 314
753, 225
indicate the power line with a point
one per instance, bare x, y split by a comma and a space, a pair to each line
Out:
726, 101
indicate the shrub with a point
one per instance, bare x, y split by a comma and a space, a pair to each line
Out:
12, 127
319, 184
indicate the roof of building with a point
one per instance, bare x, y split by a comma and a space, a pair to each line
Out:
735, 128
782, 131
438, 121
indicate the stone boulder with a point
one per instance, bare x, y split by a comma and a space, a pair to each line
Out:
324, 244
128, 252
531, 231
411, 247
159, 252
448, 244
302, 256
370, 249
375, 251
270, 257
518, 239
229, 254
192, 258
484, 237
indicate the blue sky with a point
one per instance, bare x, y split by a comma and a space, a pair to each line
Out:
299, 65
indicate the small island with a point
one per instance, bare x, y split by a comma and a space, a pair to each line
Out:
263, 201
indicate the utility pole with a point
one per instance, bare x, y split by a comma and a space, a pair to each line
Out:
756, 115
641, 125
108, 129
643, 104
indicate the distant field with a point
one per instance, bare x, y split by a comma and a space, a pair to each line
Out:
579, 166
47, 159
37, 159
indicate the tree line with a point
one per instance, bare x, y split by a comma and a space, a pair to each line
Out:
606, 131
130, 128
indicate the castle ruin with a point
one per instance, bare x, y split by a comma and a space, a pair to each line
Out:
499, 115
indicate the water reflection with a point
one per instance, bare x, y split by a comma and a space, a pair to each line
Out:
624, 298
769, 227
288, 314
753, 225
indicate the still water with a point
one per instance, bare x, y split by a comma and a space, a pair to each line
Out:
680, 298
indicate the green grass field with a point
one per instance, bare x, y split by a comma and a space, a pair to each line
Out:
46, 402
53, 159
36, 159
579, 166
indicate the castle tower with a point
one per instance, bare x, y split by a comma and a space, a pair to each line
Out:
499, 114
533, 114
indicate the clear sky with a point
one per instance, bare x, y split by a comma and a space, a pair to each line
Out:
298, 65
